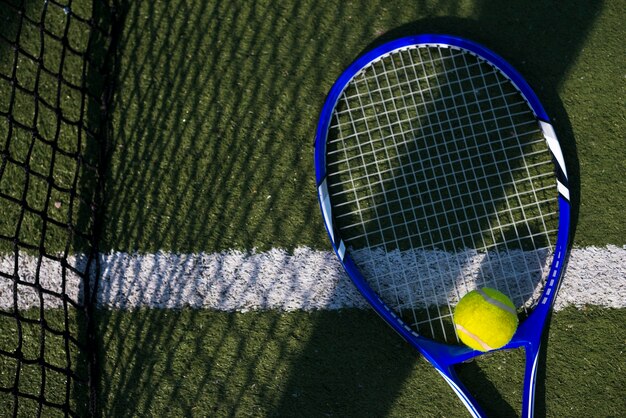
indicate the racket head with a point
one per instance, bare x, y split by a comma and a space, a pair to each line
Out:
441, 351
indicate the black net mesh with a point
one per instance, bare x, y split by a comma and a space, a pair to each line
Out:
54, 61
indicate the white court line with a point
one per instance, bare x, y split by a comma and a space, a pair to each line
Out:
235, 281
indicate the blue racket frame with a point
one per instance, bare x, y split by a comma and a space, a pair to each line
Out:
445, 356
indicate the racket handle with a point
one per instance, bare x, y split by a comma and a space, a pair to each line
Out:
530, 378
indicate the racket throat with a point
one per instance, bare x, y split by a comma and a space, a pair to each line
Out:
451, 377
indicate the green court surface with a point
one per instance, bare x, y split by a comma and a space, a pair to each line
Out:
213, 128
211, 148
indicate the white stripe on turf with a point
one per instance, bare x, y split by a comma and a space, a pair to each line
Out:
237, 281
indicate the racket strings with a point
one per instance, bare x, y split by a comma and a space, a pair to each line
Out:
441, 182
436, 120
462, 185
509, 170
406, 278
517, 194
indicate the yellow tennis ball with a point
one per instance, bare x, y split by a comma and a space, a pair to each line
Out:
485, 319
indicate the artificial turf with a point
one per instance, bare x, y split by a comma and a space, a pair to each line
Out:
213, 121
213, 127
339, 363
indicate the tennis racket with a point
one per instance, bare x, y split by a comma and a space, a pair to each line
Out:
438, 172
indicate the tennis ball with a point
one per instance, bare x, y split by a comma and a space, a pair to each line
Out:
485, 319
